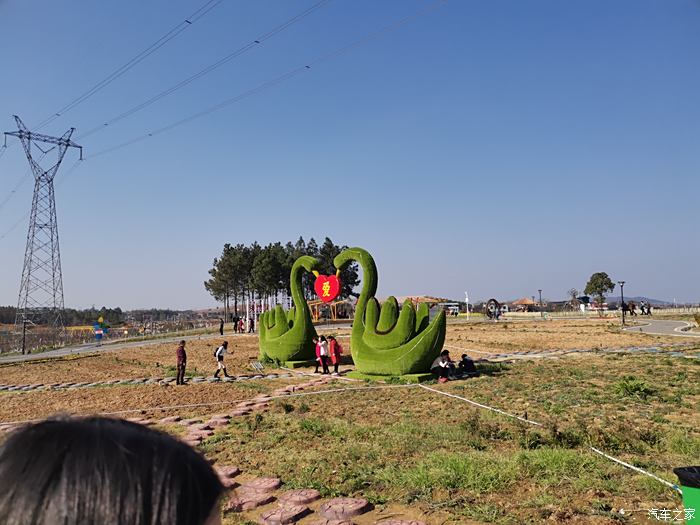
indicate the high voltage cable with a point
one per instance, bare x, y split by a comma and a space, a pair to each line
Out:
17, 186
24, 217
247, 47
259, 40
20, 182
436, 4
167, 37
199, 13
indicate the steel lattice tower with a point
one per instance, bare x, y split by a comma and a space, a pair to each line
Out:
41, 290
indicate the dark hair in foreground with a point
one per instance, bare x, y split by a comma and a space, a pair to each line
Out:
72, 471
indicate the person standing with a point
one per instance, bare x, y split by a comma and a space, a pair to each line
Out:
219, 354
251, 329
181, 364
221, 327
335, 351
235, 324
323, 354
317, 345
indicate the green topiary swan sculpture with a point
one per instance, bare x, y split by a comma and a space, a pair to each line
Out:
288, 336
383, 340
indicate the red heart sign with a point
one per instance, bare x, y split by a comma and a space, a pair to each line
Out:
327, 287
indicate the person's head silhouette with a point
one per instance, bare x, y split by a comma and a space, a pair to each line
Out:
94, 470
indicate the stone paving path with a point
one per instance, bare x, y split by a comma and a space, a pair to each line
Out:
138, 382
201, 428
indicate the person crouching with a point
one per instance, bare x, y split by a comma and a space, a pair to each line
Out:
442, 367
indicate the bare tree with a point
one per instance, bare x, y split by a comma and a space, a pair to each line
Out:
573, 303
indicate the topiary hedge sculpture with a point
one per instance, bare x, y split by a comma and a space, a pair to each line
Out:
383, 340
287, 336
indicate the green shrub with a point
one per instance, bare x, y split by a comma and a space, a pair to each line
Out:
630, 386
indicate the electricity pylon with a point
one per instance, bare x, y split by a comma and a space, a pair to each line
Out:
41, 290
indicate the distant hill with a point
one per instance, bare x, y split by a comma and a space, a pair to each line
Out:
638, 299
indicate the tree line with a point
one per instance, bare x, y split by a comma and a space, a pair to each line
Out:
71, 316
112, 316
258, 273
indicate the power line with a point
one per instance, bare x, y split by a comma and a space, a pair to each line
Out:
436, 4
15, 225
199, 13
24, 217
167, 37
238, 52
20, 182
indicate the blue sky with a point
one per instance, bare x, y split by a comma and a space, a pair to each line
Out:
497, 146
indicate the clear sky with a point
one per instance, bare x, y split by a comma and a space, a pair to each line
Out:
495, 146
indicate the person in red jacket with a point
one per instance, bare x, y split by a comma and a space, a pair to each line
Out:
335, 351
317, 345
181, 364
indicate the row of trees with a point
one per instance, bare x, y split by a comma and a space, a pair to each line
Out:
257, 273
112, 316
71, 316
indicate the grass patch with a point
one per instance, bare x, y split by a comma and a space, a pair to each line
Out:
478, 472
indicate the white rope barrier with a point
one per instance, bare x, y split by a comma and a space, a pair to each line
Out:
481, 405
637, 469
611, 458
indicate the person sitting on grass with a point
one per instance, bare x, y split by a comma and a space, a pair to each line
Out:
96, 470
443, 367
466, 367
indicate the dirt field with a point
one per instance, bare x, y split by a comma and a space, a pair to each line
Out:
507, 336
414, 453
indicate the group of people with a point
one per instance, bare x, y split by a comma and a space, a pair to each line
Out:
631, 308
328, 350
444, 369
241, 325
645, 308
